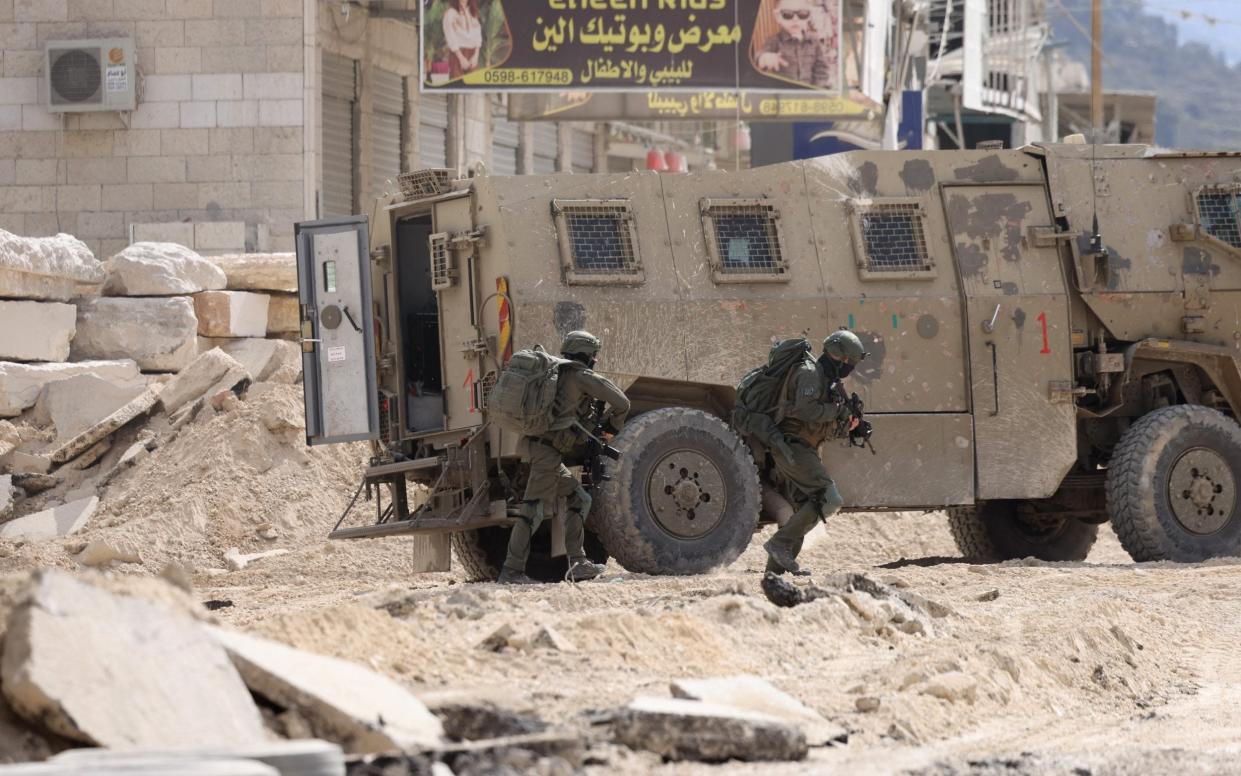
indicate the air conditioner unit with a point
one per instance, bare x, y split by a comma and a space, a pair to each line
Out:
90, 75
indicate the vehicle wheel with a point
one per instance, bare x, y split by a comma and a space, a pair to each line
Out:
682, 499
481, 553
995, 531
1172, 485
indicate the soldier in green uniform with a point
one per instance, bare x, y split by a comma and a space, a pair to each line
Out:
577, 389
814, 409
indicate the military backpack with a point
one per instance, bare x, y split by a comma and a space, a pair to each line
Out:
524, 397
761, 394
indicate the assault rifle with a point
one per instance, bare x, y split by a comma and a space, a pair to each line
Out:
596, 450
860, 435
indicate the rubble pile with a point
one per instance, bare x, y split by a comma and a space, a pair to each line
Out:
103, 362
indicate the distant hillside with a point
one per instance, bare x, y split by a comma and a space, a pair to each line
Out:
1199, 104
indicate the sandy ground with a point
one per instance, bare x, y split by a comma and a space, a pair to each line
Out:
1098, 667
1067, 661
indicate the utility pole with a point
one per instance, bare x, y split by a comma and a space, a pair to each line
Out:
1096, 69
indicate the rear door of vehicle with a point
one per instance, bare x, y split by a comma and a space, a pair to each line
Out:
338, 351
1019, 338
454, 273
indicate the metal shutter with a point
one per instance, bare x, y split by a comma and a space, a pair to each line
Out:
337, 121
583, 151
544, 147
386, 130
433, 130
504, 141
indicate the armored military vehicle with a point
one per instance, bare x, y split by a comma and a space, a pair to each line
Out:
1054, 335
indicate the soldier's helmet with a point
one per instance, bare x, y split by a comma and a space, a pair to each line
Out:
845, 346
580, 343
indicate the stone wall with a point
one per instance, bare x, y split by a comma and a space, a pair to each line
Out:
212, 158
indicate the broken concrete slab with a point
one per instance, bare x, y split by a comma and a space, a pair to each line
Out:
343, 702
79, 444
231, 313
689, 730
236, 561
160, 269
33, 483
260, 271
78, 403
498, 639
29, 463
64, 520
303, 757
209, 373
152, 677
36, 331
284, 314
755, 694
104, 553
260, 357
159, 333
473, 714
548, 637
90, 456
21, 384
49, 268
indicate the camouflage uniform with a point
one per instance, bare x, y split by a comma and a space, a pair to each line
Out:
577, 390
804, 59
812, 413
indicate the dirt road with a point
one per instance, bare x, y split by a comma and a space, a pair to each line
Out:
1080, 665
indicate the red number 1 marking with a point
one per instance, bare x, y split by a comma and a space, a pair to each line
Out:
1042, 318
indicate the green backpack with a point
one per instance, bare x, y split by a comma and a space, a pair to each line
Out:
524, 397
760, 394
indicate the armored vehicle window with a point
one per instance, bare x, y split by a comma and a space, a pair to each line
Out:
743, 240
598, 241
1219, 213
890, 239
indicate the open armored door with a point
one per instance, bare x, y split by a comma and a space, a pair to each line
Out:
338, 351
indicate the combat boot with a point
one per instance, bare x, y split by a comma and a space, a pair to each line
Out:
783, 558
582, 569
510, 576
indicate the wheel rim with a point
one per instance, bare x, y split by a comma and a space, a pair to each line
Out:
1202, 491
686, 494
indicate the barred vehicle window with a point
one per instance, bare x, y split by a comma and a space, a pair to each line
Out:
598, 241
1219, 212
743, 240
894, 238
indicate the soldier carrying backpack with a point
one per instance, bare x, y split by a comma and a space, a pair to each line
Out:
790, 406
549, 401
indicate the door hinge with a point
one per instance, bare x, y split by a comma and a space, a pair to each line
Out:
465, 240
1064, 392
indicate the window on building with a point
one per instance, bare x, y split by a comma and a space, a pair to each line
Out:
890, 239
743, 240
1219, 214
598, 241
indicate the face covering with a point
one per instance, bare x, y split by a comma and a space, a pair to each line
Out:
838, 369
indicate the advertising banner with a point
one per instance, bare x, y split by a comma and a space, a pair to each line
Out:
767, 46
698, 106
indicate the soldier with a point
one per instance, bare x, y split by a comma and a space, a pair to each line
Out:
814, 408
578, 388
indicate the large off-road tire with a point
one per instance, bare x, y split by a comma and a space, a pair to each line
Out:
682, 499
481, 553
995, 531
1172, 485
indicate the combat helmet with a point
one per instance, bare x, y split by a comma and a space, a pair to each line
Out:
580, 343
845, 346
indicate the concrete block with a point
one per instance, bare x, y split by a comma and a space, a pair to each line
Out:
175, 232
280, 113
274, 32
152, 676
81, 402
277, 140
283, 314
259, 271
231, 314
157, 333
179, 59
87, 443
156, 115
234, 59
754, 694
37, 172
100, 224
64, 520
181, 196
210, 373
96, 170
160, 269
36, 118
687, 730
49, 268
10, 120
36, 331
220, 236
156, 169
19, 91
284, 58
237, 113
22, 64
198, 114
137, 142
260, 357
273, 86
343, 702
128, 197
21, 384
225, 86
160, 33
186, 142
